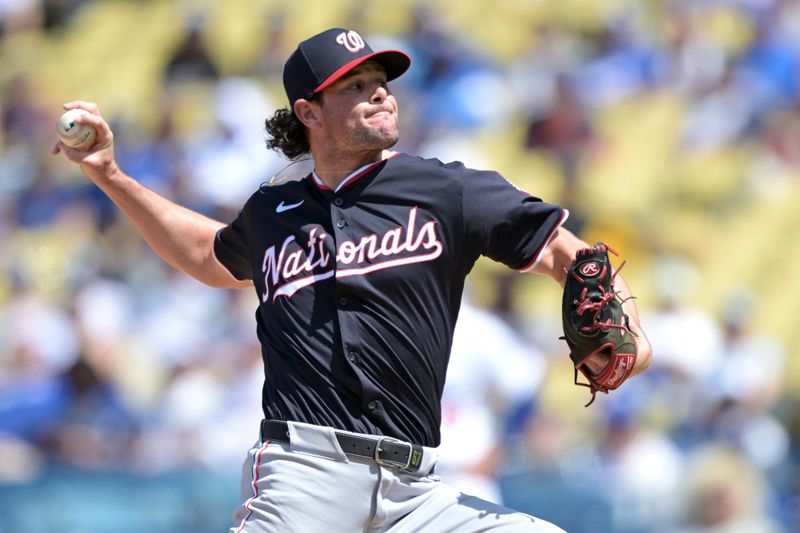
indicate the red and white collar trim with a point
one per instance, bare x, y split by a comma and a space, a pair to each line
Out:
352, 177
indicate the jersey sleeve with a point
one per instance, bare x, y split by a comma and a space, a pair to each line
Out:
232, 246
510, 226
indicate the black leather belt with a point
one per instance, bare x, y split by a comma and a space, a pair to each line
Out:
385, 451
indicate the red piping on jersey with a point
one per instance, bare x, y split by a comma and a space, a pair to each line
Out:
537, 255
249, 502
349, 180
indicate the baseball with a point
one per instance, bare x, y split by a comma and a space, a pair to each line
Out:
73, 134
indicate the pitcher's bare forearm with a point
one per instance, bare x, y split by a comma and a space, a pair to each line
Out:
183, 238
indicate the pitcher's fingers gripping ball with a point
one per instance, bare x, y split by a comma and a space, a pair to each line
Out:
74, 134
601, 344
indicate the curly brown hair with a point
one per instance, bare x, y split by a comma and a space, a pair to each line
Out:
287, 134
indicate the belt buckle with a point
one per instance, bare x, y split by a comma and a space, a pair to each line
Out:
388, 462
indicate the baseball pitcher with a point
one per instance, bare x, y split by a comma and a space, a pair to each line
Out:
358, 271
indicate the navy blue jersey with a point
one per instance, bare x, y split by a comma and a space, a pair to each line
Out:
360, 288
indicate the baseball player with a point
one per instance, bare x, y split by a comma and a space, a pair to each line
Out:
358, 271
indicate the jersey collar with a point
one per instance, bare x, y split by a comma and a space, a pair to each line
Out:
352, 177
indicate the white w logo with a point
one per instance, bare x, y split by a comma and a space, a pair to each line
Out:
351, 40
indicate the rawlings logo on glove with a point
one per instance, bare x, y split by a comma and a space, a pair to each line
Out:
601, 344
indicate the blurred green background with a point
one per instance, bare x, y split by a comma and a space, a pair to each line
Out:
671, 130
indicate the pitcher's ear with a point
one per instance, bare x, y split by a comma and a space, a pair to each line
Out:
308, 112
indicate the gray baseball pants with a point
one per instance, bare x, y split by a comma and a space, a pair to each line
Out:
311, 486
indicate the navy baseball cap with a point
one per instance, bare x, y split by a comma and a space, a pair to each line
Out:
323, 59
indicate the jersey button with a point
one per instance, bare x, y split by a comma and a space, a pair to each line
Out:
353, 358
340, 223
374, 404
342, 301
338, 201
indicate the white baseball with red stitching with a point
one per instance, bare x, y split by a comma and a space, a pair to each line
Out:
73, 134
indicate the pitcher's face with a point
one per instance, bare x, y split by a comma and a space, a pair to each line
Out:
359, 112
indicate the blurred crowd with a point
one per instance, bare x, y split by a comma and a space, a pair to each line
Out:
111, 360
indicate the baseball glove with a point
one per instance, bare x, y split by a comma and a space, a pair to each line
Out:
594, 322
